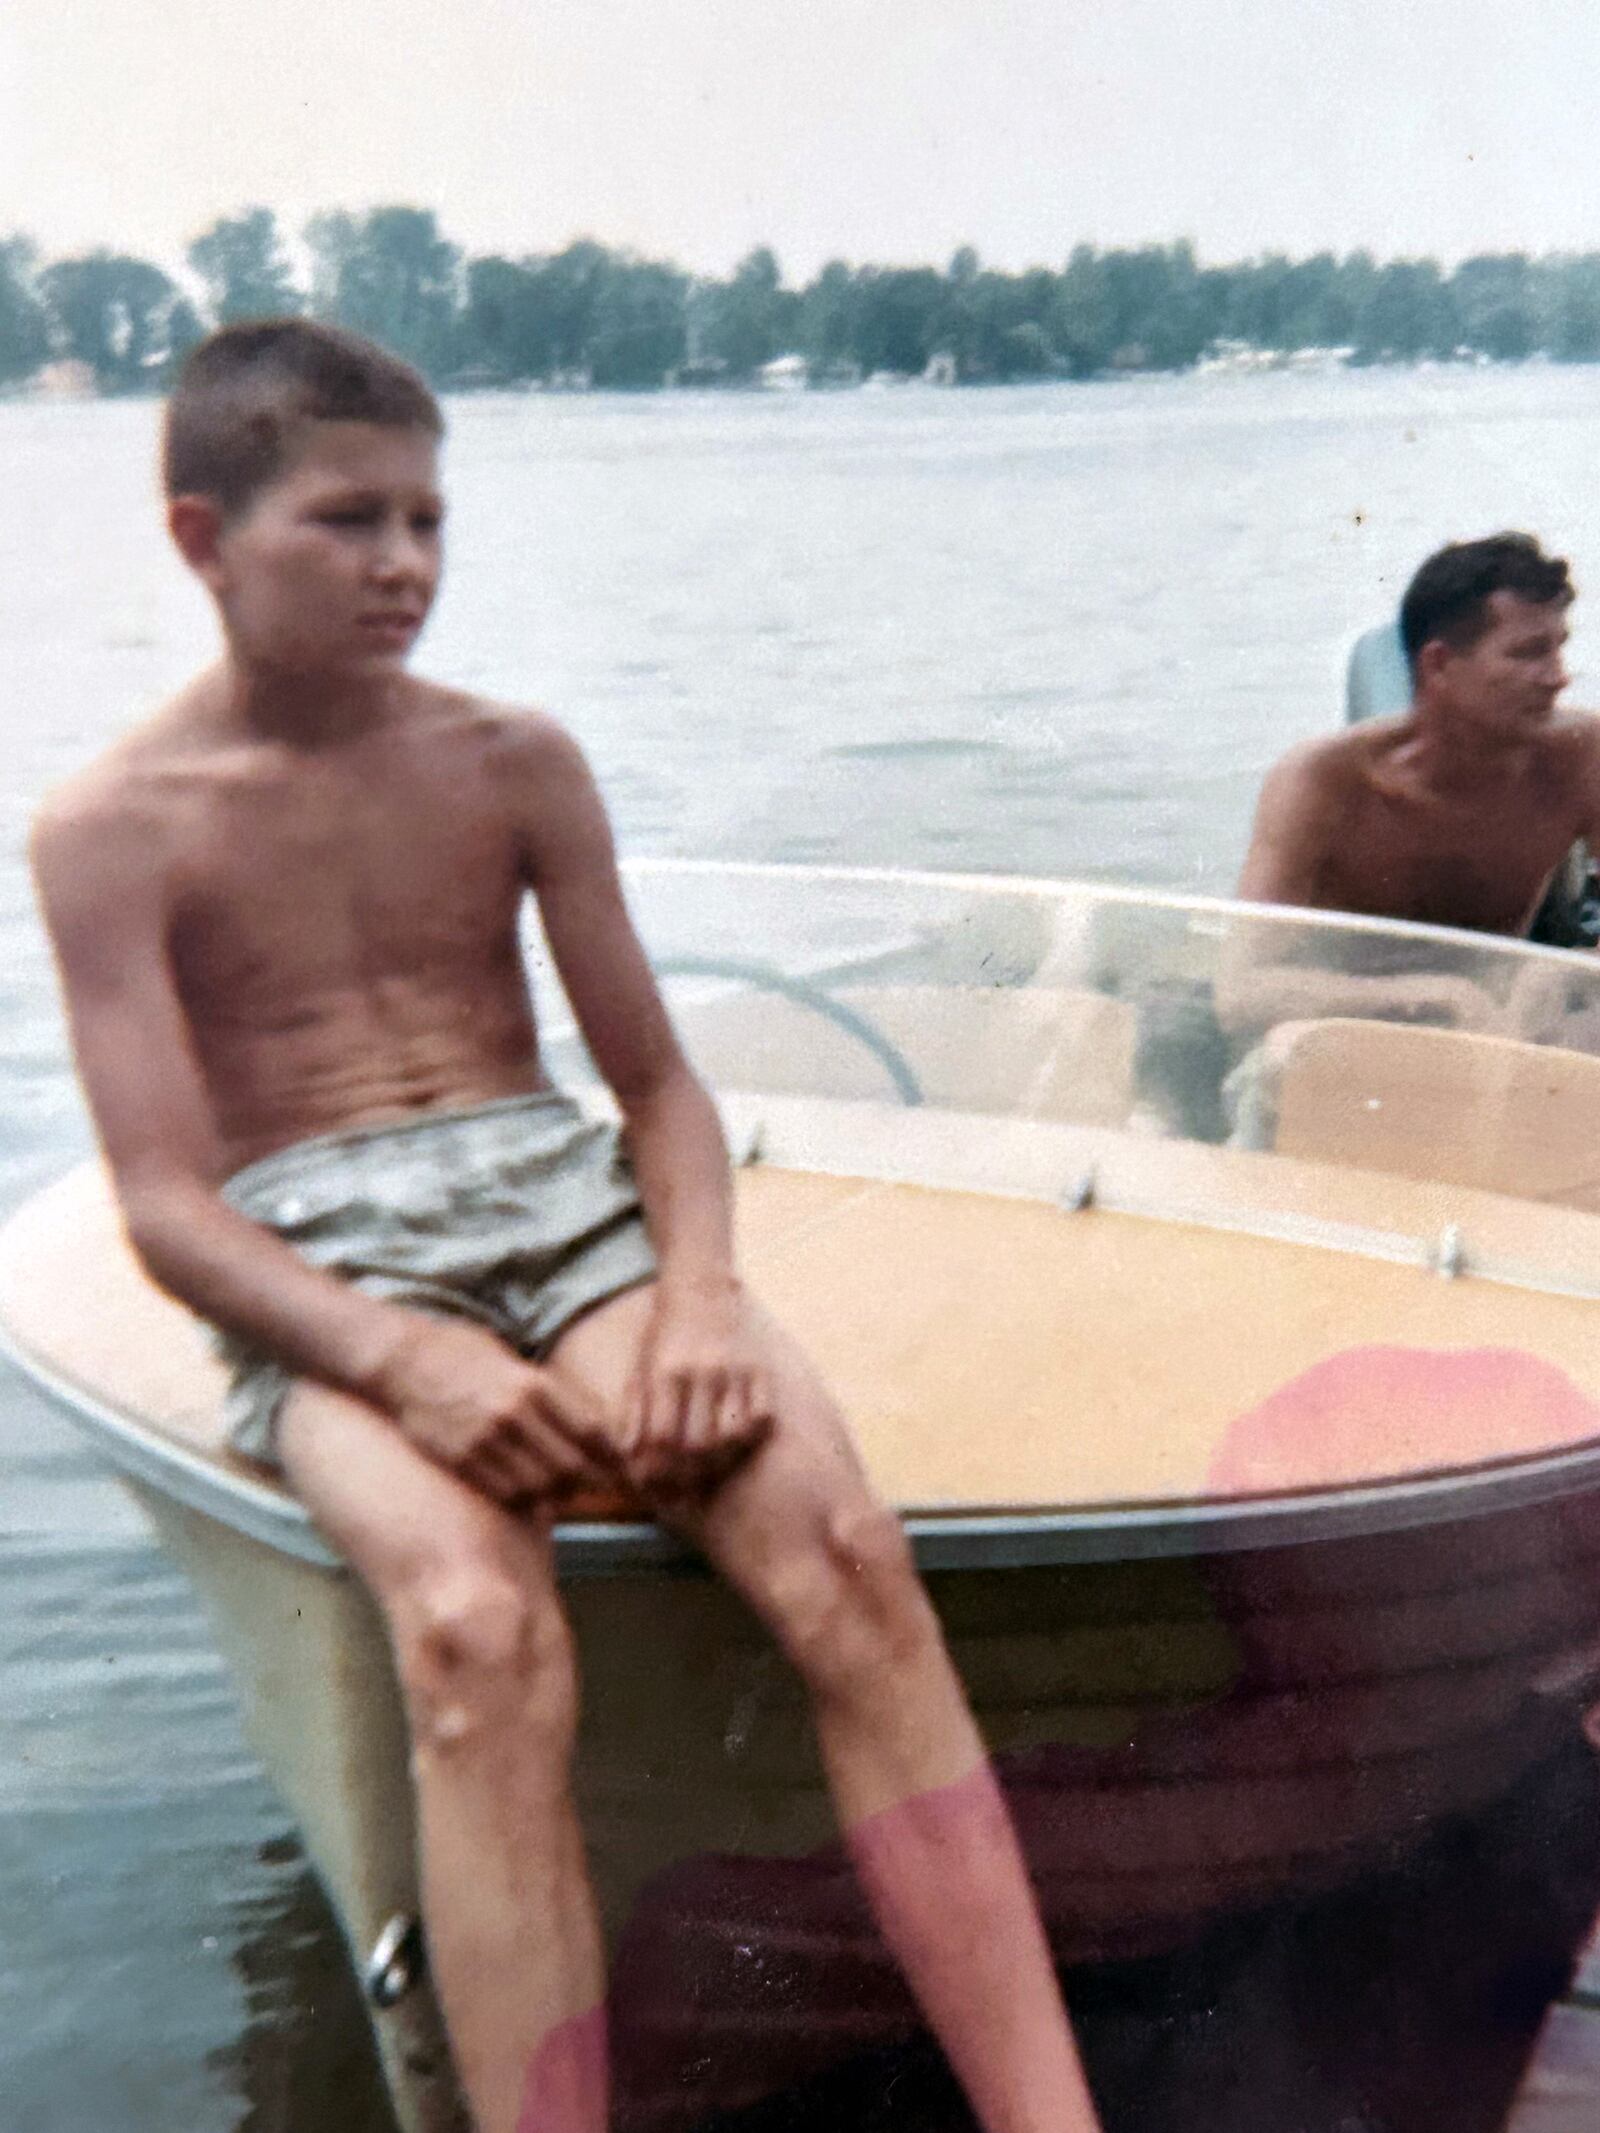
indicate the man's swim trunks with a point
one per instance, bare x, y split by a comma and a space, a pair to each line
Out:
519, 1214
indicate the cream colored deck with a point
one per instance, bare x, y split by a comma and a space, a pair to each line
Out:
996, 1352
991, 1351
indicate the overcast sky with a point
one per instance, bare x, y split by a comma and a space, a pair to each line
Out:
884, 130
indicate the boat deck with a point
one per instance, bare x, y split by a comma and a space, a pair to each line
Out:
1213, 1325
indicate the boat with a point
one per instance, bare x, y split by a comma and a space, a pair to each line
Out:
1222, 1322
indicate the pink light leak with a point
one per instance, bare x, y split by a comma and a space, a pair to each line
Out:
945, 1876
567, 2089
1370, 1414
941, 1826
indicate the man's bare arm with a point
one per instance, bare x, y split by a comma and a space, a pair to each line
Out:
701, 1390
1289, 833
1588, 783
106, 911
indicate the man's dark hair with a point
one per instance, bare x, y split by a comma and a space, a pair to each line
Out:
1449, 596
247, 393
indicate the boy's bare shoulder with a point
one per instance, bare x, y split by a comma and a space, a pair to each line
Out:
549, 800
537, 765
523, 737
128, 793
141, 803
98, 848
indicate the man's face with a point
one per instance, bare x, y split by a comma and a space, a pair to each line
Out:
334, 565
1507, 682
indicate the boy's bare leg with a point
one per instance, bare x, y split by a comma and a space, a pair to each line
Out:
799, 1534
485, 1663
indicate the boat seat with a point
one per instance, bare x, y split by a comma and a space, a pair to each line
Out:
1377, 681
1487, 1112
1021, 1051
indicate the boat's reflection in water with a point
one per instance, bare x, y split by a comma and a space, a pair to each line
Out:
304, 2055
1217, 1293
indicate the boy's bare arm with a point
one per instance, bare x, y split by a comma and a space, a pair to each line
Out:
466, 1399
702, 1395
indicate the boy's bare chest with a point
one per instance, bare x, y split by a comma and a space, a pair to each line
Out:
325, 883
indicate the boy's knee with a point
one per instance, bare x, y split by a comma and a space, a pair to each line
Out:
866, 1539
845, 1596
479, 1649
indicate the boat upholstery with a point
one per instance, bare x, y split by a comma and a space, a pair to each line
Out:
1387, 1096
1377, 682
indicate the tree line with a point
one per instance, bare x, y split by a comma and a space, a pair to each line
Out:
593, 315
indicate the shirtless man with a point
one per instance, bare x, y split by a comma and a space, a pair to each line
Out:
285, 912
1456, 813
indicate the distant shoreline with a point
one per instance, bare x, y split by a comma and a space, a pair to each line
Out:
49, 387
597, 318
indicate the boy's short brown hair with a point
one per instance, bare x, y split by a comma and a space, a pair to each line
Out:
246, 392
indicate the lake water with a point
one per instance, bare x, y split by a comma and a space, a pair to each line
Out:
1052, 630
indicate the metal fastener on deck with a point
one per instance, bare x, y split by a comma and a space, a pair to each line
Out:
1448, 1256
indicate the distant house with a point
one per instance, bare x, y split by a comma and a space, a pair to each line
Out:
65, 379
784, 374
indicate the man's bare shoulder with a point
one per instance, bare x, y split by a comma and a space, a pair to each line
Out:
1571, 766
1306, 802
1329, 766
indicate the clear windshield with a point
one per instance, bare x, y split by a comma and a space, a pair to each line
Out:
1117, 1023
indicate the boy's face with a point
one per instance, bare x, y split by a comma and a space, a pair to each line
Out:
332, 568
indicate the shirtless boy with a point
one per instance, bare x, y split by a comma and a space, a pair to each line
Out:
285, 911
1458, 812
